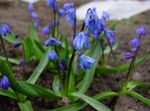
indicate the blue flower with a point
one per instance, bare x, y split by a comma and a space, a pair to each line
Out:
22, 63
35, 15
134, 43
4, 83
93, 24
80, 40
128, 56
63, 65
46, 30
51, 3
54, 23
52, 56
86, 62
68, 5
59, 86
4, 29
110, 34
61, 12
52, 42
141, 31
36, 24
105, 16
30, 7
17, 36
16, 44
71, 17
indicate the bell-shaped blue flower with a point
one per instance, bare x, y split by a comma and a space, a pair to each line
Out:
68, 5
16, 44
61, 12
141, 31
86, 62
110, 34
30, 7
63, 65
128, 56
35, 15
36, 24
80, 40
17, 35
4, 83
51, 3
52, 42
4, 29
105, 16
134, 43
52, 56
93, 24
22, 63
71, 16
46, 30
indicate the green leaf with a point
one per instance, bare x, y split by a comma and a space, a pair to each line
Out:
139, 97
28, 49
107, 49
6, 69
11, 38
11, 60
94, 103
8, 93
80, 105
131, 85
33, 33
33, 90
121, 68
87, 79
56, 82
25, 106
39, 69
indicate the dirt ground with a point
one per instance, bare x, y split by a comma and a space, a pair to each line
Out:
17, 16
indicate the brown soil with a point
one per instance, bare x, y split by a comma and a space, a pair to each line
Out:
16, 15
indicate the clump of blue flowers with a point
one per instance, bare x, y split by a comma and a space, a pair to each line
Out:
73, 64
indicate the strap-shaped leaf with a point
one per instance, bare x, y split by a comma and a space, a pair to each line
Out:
134, 84
33, 33
29, 89
39, 69
11, 60
92, 102
85, 83
8, 93
80, 105
25, 106
11, 38
121, 68
139, 97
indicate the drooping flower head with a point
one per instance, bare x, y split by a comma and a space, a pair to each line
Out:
30, 7
93, 24
105, 16
4, 83
86, 62
68, 5
134, 43
46, 30
4, 29
36, 24
22, 63
52, 42
80, 40
63, 64
16, 44
71, 17
35, 15
52, 55
128, 56
61, 12
51, 3
141, 31
110, 34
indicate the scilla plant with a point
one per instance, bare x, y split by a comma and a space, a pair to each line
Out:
73, 64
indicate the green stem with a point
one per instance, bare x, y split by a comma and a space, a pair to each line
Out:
4, 49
